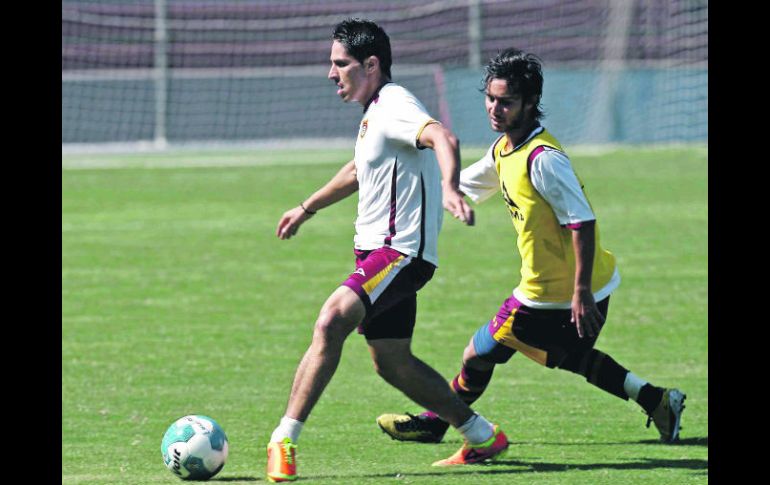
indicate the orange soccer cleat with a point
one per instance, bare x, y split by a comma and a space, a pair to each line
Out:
281, 461
491, 449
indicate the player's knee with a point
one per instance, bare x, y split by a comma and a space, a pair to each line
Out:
331, 326
574, 362
472, 359
470, 352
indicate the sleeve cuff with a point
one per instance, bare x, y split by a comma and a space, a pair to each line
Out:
419, 133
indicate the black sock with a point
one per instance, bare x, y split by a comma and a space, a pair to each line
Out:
599, 369
649, 397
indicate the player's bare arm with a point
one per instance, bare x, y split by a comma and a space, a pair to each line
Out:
343, 184
447, 148
585, 314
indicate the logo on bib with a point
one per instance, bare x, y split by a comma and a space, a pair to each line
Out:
364, 126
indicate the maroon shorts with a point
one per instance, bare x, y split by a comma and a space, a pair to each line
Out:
387, 282
546, 336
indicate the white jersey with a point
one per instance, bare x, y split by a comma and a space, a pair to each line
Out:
399, 184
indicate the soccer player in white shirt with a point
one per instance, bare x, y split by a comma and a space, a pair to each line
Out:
555, 314
405, 163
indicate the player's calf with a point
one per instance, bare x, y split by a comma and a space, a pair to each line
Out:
663, 406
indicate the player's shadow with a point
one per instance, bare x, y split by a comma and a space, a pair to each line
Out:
697, 441
235, 479
643, 464
501, 467
702, 441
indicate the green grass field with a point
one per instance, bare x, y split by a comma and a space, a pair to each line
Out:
177, 298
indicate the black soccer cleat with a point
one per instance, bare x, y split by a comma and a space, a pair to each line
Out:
667, 415
408, 427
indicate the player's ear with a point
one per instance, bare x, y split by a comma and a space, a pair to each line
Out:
371, 63
531, 102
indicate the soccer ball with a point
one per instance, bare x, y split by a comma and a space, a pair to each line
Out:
194, 448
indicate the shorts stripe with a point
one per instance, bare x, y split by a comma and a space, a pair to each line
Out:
505, 336
380, 282
387, 282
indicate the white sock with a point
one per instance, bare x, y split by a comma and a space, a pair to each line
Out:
632, 385
477, 429
287, 428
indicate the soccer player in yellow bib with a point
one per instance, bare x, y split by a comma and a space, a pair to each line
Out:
555, 314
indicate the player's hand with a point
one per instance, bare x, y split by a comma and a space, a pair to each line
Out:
290, 222
455, 203
585, 315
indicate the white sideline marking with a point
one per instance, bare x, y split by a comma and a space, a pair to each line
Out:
99, 163
272, 155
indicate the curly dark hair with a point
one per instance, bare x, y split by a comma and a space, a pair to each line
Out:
363, 38
522, 72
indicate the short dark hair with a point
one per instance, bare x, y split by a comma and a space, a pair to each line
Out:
363, 38
522, 72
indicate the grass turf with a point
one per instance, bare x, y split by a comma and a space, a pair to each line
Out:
178, 299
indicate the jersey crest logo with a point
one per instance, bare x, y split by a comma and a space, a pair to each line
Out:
364, 126
360, 271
